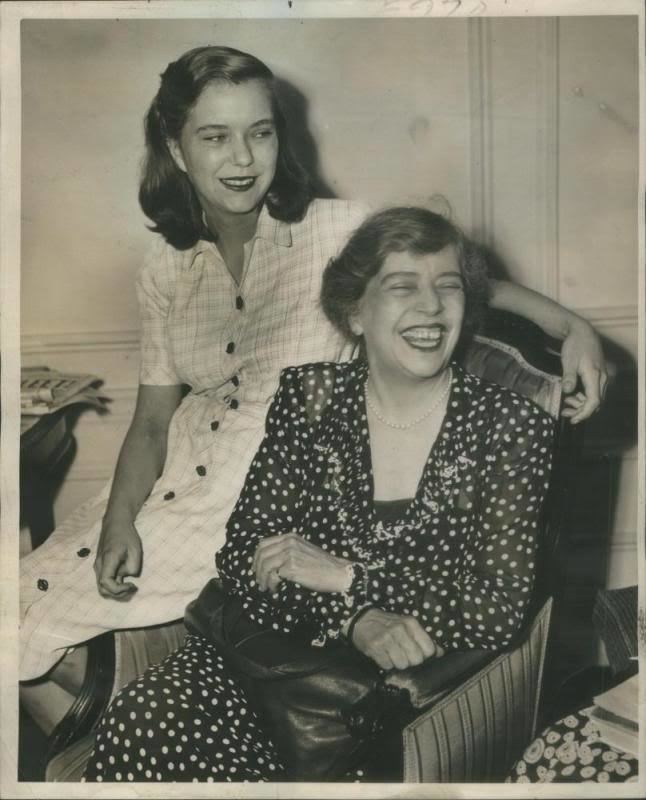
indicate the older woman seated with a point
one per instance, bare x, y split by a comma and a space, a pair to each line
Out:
395, 491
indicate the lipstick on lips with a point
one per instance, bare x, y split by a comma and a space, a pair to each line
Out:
239, 184
424, 337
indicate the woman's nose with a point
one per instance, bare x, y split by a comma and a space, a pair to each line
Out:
430, 301
241, 154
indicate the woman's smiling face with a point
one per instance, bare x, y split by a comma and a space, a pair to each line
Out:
228, 147
410, 315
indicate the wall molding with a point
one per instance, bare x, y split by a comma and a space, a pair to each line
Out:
547, 144
546, 177
79, 341
613, 449
90, 473
482, 194
621, 541
610, 316
128, 340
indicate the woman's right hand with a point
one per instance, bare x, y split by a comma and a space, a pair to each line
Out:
393, 640
119, 554
141, 462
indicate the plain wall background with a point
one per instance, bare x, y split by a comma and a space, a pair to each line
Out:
526, 128
388, 107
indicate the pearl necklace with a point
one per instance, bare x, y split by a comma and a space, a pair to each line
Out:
402, 426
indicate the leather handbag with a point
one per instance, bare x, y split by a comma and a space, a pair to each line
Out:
323, 706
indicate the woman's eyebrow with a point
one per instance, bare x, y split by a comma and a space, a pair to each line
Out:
451, 273
214, 126
260, 122
399, 274
413, 274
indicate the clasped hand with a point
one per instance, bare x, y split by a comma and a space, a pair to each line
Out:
393, 641
289, 557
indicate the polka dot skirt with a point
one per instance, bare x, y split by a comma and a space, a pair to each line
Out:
185, 720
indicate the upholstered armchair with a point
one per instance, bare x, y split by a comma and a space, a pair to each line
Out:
464, 717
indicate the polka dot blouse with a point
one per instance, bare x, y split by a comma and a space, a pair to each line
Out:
459, 557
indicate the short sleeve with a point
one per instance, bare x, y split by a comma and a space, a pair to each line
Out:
155, 288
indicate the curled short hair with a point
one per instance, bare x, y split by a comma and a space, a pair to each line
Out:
166, 194
396, 230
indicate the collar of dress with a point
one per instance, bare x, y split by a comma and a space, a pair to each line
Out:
346, 435
268, 228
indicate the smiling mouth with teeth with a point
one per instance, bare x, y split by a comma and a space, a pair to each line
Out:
427, 338
238, 184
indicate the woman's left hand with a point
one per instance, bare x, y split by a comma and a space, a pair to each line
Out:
289, 557
582, 357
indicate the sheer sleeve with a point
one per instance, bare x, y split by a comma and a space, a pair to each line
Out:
271, 499
468, 581
482, 602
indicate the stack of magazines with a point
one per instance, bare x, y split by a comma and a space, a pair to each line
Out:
615, 716
43, 391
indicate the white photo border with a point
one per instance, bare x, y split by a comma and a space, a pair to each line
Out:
12, 15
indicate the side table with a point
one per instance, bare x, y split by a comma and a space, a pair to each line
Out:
47, 448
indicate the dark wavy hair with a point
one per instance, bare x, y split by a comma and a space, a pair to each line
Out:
398, 230
166, 194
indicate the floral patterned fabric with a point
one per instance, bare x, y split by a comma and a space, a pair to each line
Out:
460, 559
570, 751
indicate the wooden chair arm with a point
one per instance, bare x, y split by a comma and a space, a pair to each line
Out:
114, 659
92, 700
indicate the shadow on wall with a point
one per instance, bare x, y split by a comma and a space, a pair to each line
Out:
295, 107
595, 514
615, 424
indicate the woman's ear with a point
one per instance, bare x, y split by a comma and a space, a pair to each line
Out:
355, 323
176, 152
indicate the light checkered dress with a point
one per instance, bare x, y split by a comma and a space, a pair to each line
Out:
200, 328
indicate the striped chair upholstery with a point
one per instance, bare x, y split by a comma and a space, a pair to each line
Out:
503, 364
614, 616
133, 651
478, 730
138, 649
